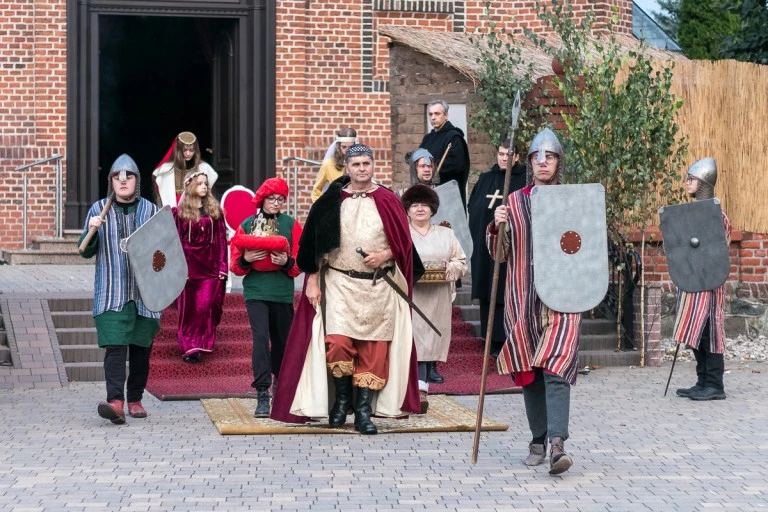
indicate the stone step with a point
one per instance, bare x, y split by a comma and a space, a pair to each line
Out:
77, 336
68, 319
463, 297
469, 312
608, 358
63, 245
44, 257
590, 342
71, 304
5, 355
82, 353
84, 372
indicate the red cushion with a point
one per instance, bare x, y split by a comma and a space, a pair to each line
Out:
274, 243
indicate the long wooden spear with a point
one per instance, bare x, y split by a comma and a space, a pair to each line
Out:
495, 281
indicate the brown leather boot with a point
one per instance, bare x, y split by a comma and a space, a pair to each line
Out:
112, 411
536, 454
559, 461
136, 410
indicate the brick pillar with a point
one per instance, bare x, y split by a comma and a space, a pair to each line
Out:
654, 353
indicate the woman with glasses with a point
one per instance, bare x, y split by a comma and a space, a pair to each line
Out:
264, 251
445, 262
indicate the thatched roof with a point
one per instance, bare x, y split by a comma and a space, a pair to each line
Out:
457, 51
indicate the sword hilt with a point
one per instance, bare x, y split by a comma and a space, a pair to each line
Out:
361, 252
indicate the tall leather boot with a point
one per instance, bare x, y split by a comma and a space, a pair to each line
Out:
701, 375
338, 414
363, 410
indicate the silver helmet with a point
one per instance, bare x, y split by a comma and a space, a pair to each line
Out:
546, 141
123, 166
704, 170
417, 155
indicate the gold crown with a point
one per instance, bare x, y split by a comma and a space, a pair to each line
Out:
186, 137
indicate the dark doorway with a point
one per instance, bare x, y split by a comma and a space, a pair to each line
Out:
138, 73
155, 81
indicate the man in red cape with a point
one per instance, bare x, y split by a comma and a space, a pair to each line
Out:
349, 325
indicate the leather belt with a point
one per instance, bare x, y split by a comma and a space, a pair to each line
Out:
354, 273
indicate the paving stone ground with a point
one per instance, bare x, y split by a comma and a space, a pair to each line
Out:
634, 450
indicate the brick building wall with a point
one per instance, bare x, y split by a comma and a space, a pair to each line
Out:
333, 71
32, 112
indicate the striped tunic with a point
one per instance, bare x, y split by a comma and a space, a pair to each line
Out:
114, 284
695, 308
537, 336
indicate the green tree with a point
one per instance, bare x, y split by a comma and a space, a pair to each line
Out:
704, 26
668, 17
750, 42
623, 133
502, 73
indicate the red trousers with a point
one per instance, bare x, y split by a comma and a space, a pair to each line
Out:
366, 361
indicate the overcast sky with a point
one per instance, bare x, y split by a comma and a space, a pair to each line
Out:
648, 6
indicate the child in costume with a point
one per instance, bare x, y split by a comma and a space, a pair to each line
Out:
203, 234
264, 251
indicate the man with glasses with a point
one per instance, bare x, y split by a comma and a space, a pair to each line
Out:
264, 250
542, 346
351, 321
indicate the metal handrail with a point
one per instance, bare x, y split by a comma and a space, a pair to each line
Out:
290, 173
58, 225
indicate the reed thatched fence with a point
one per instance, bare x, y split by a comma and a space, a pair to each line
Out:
725, 116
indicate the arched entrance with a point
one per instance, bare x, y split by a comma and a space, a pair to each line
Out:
137, 76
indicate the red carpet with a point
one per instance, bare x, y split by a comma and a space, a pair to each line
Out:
226, 372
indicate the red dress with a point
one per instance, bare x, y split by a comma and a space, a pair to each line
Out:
200, 304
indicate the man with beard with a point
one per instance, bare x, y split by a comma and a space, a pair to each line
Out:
455, 166
485, 197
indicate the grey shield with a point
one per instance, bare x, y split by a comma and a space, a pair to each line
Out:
157, 260
452, 210
694, 242
570, 246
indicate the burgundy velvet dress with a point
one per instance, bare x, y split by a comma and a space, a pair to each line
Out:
200, 304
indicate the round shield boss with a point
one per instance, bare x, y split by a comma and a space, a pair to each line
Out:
158, 261
570, 242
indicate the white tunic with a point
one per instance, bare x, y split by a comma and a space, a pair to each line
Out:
355, 307
438, 245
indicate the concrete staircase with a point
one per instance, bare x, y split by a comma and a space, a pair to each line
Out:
598, 336
83, 359
76, 331
48, 251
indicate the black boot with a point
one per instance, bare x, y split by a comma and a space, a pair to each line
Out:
432, 375
701, 375
363, 410
262, 403
338, 415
